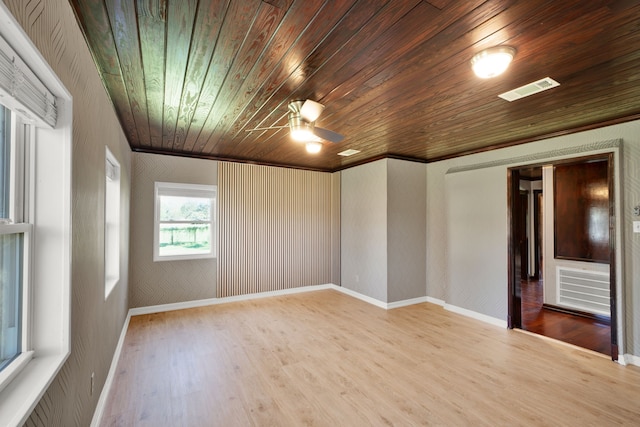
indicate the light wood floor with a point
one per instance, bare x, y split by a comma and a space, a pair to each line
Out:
326, 359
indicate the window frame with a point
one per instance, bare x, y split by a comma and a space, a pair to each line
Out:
112, 223
19, 222
184, 190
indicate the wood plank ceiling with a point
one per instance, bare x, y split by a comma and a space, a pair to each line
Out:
189, 77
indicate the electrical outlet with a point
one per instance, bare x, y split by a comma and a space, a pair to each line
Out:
636, 226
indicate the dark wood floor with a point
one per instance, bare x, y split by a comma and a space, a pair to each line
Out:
593, 334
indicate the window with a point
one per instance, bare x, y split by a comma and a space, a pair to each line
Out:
111, 223
35, 223
14, 244
184, 221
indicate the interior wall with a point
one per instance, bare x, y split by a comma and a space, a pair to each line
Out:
165, 282
477, 241
364, 229
406, 229
383, 225
440, 284
275, 228
96, 323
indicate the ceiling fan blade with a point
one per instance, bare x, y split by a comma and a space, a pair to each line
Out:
311, 110
328, 135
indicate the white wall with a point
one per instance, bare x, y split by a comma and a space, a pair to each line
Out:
447, 235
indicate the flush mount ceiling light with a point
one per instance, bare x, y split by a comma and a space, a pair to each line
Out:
493, 61
313, 147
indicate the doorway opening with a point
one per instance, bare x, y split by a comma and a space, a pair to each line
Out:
581, 308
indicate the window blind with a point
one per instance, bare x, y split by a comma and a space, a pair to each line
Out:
22, 91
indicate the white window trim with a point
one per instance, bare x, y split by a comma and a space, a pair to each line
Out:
182, 190
51, 274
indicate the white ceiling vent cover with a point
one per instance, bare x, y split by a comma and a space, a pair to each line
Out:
349, 152
529, 89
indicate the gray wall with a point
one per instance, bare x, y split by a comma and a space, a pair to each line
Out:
383, 229
363, 228
165, 282
449, 227
406, 229
476, 239
95, 323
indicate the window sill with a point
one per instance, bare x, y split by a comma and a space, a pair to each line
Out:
183, 257
109, 284
19, 397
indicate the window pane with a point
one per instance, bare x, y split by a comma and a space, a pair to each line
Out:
184, 239
174, 208
10, 297
111, 223
5, 161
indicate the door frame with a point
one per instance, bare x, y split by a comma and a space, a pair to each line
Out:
514, 319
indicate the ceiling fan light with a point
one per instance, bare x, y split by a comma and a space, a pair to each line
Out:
492, 62
313, 147
302, 134
311, 110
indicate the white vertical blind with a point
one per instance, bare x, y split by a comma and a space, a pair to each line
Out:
22, 91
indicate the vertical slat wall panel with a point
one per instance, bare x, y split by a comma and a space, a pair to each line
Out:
274, 229
335, 231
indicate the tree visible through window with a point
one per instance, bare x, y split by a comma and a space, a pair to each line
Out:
184, 221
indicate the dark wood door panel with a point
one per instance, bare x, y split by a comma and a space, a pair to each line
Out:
581, 211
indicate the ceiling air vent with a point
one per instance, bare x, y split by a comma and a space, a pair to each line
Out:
529, 89
347, 153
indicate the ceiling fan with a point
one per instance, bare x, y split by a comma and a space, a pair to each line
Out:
302, 116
